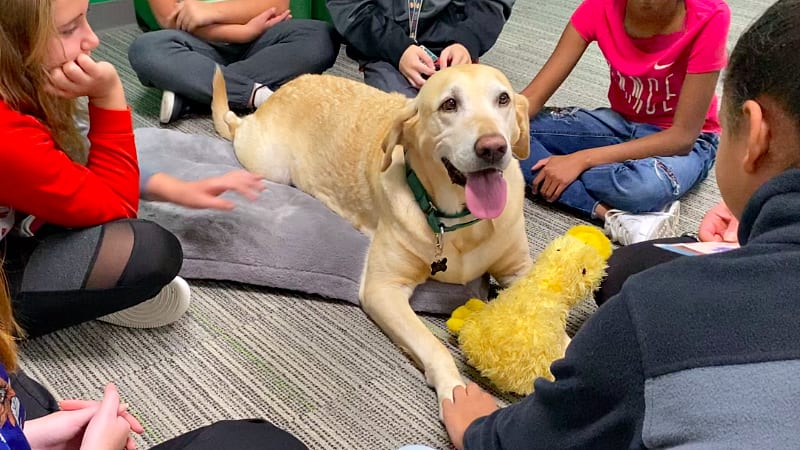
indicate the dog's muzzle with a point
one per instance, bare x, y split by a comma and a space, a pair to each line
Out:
456, 176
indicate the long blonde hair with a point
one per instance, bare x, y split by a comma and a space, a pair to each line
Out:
26, 29
8, 328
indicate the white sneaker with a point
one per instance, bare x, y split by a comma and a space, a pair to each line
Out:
167, 107
163, 309
628, 228
173, 107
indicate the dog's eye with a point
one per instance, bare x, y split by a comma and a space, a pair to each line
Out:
503, 99
449, 105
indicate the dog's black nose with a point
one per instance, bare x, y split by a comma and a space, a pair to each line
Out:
491, 148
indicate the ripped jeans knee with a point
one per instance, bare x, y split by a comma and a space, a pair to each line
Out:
560, 113
663, 171
634, 186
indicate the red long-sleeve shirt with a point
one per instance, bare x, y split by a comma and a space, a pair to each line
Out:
37, 178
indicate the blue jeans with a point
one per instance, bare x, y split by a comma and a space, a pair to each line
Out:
641, 185
177, 61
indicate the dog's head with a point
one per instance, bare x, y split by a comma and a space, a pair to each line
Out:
465, 124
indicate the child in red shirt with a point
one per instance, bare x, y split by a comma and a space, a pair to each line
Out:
71, 245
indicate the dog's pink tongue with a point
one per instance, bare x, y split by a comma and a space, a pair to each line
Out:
486, 193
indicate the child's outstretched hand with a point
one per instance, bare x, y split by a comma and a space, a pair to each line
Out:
205, 193
84, 76
467, 405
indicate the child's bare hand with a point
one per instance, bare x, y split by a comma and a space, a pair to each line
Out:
453, 55
719, 224
122, 411
415, 63
205, 193
192, 14
467, 405
556, 173
59, 430
108, 429
266, 20
97, 80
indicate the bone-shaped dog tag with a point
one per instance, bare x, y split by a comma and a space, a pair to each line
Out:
439, 264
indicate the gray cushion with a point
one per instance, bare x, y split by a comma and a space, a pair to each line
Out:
285, 239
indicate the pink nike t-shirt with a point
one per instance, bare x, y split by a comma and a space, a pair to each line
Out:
647, 74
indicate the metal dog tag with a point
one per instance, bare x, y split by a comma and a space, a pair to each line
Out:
439, 264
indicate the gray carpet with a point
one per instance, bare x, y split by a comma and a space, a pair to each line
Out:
319, 369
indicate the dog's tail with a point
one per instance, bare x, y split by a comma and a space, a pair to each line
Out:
225, 120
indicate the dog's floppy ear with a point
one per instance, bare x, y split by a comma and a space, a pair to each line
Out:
395, 134
522, 146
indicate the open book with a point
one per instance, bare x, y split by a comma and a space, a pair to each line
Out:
699, 248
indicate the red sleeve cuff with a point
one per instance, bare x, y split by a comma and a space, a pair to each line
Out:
110, 120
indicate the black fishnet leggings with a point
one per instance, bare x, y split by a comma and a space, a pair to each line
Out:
63, 277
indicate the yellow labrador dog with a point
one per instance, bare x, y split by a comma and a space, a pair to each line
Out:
432, 181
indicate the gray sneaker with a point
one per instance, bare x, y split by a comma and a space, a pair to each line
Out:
163, 309
628, 228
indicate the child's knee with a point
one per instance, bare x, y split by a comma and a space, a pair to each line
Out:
555, 113
145, 50
158, 255
639, 186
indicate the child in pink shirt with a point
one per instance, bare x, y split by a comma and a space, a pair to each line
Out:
629, 164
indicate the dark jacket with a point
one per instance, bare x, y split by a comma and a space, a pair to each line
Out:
378, 30
701, 352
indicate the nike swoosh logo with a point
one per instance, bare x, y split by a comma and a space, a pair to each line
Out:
658, 66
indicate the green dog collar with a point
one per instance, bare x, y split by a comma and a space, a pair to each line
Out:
432, 214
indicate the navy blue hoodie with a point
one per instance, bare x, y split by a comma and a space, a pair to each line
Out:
378, 30
701, 352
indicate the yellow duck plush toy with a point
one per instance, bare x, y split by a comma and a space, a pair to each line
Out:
513, 339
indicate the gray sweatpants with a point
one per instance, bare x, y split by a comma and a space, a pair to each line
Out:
388, 78
177, 61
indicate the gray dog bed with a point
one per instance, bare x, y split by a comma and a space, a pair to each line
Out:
284, 239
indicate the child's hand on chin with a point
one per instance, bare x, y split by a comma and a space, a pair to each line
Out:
83, 76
